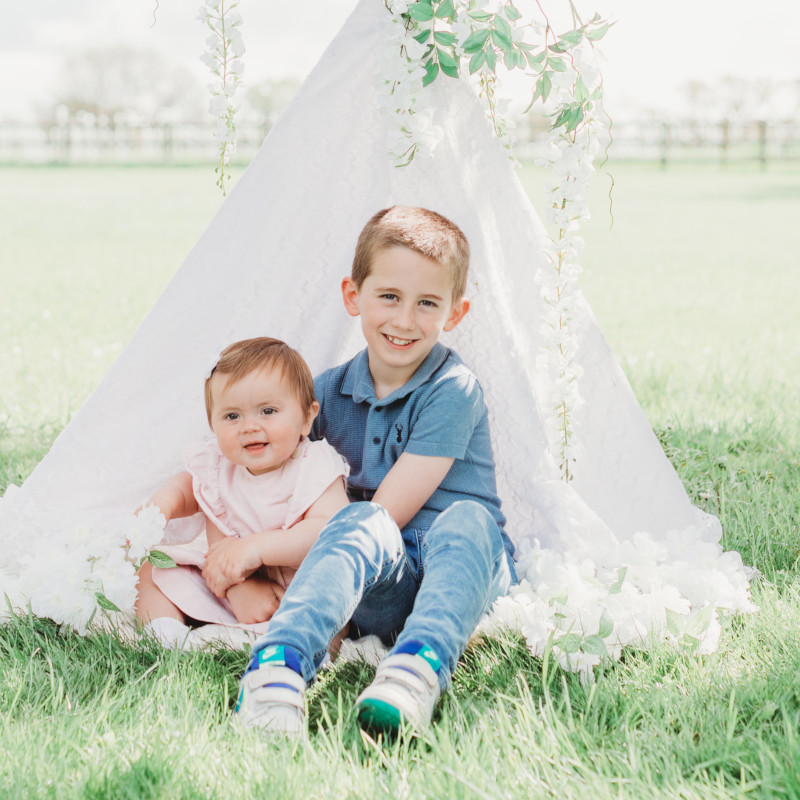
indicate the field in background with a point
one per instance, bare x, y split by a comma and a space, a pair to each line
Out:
696, 288
695, 285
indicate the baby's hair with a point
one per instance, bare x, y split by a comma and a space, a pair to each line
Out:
241, 358
421, 230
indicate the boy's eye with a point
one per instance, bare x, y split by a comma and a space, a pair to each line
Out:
428, 303
232, 416
389, 296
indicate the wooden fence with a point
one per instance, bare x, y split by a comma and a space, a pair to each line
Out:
755, 141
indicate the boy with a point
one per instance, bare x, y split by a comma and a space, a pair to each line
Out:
420, 554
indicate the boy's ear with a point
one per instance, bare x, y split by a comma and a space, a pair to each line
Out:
350, 296
457, 313
311, 416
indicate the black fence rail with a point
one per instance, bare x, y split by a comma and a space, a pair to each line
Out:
676, 141
664, 142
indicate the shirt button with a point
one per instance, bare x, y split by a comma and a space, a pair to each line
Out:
376, 440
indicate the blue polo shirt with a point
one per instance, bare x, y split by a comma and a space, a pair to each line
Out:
440, 411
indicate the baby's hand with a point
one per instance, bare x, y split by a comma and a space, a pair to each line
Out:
255, 600
229, 561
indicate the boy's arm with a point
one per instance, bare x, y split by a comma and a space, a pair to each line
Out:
232, 559
409, 483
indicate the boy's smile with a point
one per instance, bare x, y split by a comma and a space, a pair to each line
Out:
404, 303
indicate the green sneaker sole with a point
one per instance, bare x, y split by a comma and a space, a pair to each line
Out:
378, 714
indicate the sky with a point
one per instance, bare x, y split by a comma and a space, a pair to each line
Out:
652, 51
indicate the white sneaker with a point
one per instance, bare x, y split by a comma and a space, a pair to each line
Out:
169, 632
271, 696
405, 689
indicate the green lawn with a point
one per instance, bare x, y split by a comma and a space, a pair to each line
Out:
695, 287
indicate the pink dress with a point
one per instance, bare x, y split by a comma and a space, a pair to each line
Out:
240, 504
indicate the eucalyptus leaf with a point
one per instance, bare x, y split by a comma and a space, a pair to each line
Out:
595, 645
104, 602
674, 624
568, 119
477, 61
616, 587
446, 10
162, 560
480, 16
503, 28
598, 33
698, 623
501, 38
535, 60
581, 93
606, 627
445, 37
568, 644
431, 71
491, 58
510, 59
420, 11
475, 41
557, 64
512, 13
689, 643
448, 64
423, 37
572, 37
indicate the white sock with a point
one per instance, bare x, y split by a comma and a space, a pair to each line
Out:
168, 631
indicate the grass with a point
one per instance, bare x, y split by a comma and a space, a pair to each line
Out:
695, 287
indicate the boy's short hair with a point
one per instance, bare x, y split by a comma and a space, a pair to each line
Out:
419, 229
249, 355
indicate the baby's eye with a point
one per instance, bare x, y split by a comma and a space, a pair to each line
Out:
267, 411
232, 416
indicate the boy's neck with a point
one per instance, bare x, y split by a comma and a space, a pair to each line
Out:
386, 380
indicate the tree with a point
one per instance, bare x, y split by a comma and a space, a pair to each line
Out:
109, 81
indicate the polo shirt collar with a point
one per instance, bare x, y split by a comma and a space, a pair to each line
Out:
358, 380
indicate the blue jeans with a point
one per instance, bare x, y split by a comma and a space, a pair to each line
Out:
359, 569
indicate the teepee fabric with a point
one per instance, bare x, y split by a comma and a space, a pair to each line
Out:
618, 552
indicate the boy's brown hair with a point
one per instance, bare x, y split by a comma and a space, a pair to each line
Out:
419, 229
263, 352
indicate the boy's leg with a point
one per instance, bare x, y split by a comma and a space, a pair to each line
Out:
359, 551
465, 569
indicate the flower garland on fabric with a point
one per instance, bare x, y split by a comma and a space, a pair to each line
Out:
98, 563
452, 38
224, 59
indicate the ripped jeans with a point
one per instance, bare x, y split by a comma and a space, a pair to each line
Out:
362, 570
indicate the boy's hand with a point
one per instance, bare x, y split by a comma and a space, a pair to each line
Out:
229, 561
255, 600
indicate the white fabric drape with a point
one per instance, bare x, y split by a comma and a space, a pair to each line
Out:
270, 263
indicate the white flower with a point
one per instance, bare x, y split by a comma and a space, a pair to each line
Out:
236, 42
143, 530
210, 60
233, 18
490, 6
218, 105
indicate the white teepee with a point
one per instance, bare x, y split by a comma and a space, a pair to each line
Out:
615, 552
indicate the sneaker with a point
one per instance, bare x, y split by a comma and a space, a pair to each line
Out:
405, 689
271, 693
